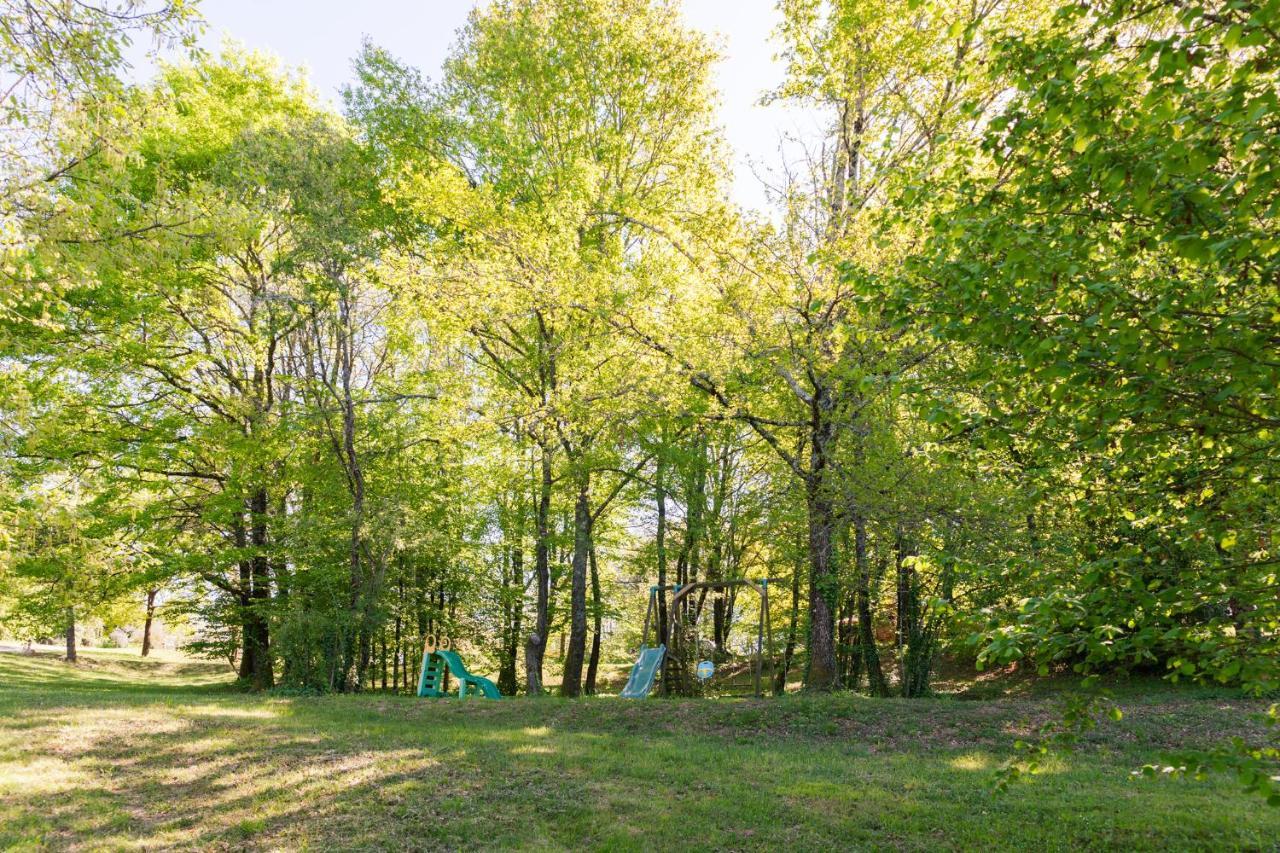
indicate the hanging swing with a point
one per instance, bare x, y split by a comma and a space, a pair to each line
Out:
681, 658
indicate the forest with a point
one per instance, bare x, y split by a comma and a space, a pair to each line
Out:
488, 353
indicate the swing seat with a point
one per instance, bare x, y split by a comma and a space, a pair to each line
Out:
643, 673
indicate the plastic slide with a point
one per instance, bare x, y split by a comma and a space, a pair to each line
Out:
432, 678
644, 672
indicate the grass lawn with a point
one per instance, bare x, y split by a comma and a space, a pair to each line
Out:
123, 753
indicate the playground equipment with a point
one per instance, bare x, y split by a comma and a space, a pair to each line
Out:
437, 659
648, 668
648, 665
644, 672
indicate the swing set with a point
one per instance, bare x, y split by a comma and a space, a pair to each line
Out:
648, 668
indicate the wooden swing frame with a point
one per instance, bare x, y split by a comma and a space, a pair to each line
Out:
764, 626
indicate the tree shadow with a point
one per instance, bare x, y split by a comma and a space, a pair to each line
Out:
386, 772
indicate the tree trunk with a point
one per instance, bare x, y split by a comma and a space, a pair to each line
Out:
719, 625
361, 596
146, 625
257, 629
533, 663
71, 635
695, 526
444, 676
866, 632
850, 645
904, 604
536, 647
842, 641
780, 682
516, 628
597, 620
916, 637
854, 655
513, 609
398, 653
821, 674
233, 653
383, 640
364, 670
572, 683
244, 599
661, 545
281, 586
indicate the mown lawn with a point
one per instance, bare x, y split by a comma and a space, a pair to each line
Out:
119, 753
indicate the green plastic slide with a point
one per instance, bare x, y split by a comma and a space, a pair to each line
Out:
644, 672
431, 681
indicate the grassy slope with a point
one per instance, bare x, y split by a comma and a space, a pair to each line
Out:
119, 753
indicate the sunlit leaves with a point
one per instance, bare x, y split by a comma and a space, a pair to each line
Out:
1111, 256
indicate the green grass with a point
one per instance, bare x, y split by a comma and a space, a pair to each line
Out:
119, 753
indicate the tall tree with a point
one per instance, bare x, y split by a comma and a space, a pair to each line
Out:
584, 129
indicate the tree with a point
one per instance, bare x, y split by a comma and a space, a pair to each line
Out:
1117, 229
583, 131
815, 365
69, 562
186, 328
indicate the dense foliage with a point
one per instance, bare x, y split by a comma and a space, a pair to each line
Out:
1108, 256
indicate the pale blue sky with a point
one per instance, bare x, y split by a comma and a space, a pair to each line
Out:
323, 36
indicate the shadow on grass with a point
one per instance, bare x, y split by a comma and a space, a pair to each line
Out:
194, 769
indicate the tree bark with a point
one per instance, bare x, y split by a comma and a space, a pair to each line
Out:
866, 632
361, 595
257, 629
572, 683
383, 642
146, 625
536, 647
719, 624
71, 635
661, 545
597, 621
398, 653
533, 664
244, 598
905, 589
512, 611
780, 682
821, 674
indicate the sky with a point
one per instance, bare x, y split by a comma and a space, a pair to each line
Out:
323, 36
